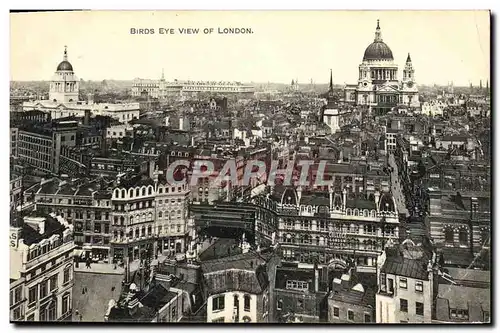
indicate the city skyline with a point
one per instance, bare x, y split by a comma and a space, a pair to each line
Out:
276, 50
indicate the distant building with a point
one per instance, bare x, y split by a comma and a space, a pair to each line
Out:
378, 85
162, 89
64, 99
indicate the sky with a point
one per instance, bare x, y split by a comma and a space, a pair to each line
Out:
444, 45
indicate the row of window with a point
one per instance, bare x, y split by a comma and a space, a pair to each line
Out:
403, 284
218, 302
142, 192
350, 315
42, 290
419, 307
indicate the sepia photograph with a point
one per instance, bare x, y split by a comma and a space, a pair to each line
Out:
250, 167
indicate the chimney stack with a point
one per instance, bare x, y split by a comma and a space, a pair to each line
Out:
86, 118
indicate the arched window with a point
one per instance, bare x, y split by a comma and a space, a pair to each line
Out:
137, 192
448, 235
247, 301
150, 190
143, 191
123, 194
160, 214
462, 237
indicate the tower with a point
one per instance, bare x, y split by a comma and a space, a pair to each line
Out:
64, 85
408, 71
409, 92
480, 84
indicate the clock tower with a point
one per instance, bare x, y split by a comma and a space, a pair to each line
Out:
409, 91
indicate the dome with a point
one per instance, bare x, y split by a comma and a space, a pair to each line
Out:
378, 51
65, 66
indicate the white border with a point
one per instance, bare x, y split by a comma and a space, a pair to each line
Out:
494, 5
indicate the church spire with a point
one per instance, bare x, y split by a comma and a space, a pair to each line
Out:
408, 59
331, 80
378, 33
65, 57
162, 74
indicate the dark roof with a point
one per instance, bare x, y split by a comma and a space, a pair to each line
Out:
31, 236
293, 273
65, 66
251, 281
400, 264
378, 51
158, 296
344, 293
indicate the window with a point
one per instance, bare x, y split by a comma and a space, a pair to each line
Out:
368, 318
17, 294
403, 305
486, 316
453, 313
67, 275
33, 295
31, 317
403, 283
218, 320
17, 313
43, 289
279, 305
463, 314
419, 308
448, 236
350, 315
174, 312
218, 303
300, 304
65, 303
53, 282
296, 285
52, 311
419, 286
247, 303
336, 312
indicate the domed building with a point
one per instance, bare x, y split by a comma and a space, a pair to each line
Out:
64, 84
64, 99
378, 86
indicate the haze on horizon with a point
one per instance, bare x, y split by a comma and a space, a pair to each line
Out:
444, 45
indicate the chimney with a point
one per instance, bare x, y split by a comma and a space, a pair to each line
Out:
316, 277
299, 195
90, 99
344, 198
330, 190
151, 169
86, 118
377, 199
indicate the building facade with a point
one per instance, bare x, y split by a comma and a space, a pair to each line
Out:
41, 269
